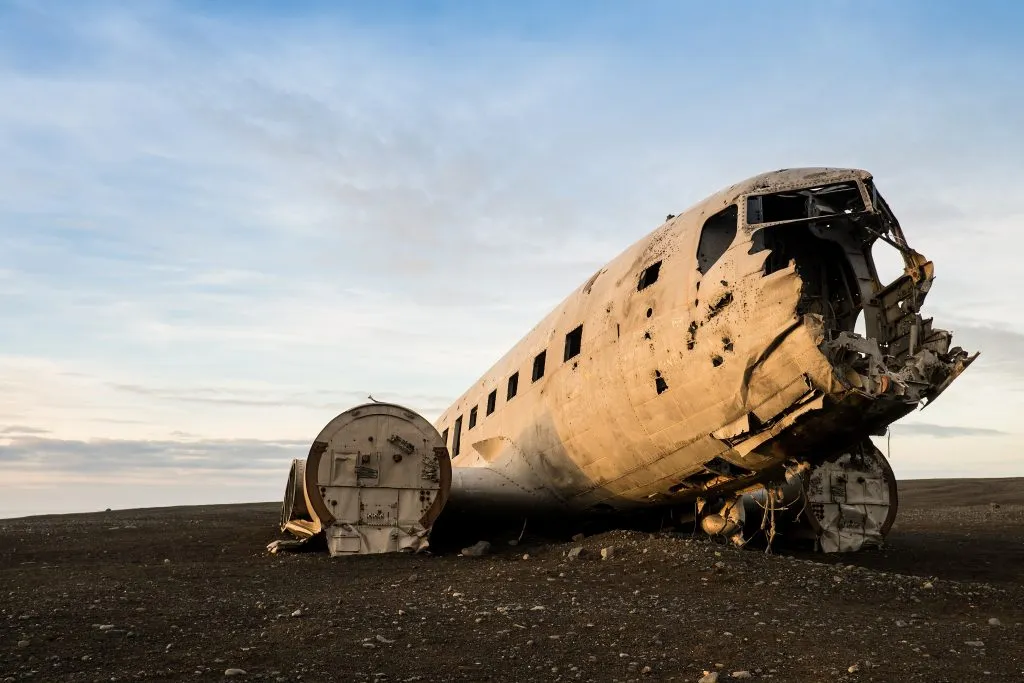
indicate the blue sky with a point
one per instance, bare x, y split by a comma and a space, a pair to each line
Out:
223, 223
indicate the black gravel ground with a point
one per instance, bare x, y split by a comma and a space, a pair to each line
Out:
190, 593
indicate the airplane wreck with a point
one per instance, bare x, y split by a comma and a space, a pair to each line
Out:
726, 371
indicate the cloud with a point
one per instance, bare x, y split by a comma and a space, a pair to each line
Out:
63, 457
943, 431
21, 430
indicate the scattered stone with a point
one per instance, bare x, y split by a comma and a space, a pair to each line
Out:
526, 556
167, 560
854, 668
974, 643
574, 552
927, 585
106, 627
646, 670
608, 552
708, 677
297, 613
994, 622
234, 672
513, 541
741, 675
24, 643
382, 639
478, 549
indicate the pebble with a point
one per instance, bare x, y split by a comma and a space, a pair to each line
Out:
297, 613
382, 639
234, 672
927, 585
974, 643
478, 549
994, 622
526, 556
741, 674
708, 677
24, 643
574, 553
854, 668
607, 552
106, 627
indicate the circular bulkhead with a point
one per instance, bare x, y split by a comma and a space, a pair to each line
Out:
376, 478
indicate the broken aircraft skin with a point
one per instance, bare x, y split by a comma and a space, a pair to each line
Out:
713, 369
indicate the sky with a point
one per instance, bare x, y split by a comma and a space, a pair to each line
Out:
221, 224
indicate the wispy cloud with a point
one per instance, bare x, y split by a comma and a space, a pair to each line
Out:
60, 457
944, 431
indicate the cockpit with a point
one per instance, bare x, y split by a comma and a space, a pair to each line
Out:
872, 328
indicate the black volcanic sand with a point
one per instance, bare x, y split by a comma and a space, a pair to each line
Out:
188, 593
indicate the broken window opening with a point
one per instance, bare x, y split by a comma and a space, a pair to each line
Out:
444, 436
660, 384
715, 237
888, 262
538, 365
457, 436
472, 417
649, 276
573, 342
492, 401
830, 286
792, 205
513, 386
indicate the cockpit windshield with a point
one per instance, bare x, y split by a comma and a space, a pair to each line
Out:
811, 202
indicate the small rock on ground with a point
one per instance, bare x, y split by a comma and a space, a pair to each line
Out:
478, 549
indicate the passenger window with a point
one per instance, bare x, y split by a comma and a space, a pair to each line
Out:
715, 237
444, 436
472, 418
457, 437
573, 341
513, 386
492, 400
538, 365
649, 276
